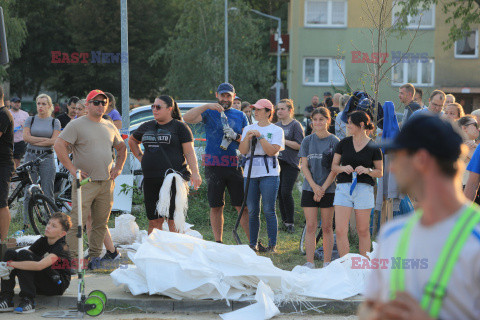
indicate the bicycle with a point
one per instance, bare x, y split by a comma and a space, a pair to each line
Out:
40, 207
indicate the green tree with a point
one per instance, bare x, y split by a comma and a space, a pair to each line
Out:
47, 31
195, 53
462, 15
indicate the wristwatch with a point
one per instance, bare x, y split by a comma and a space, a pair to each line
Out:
370, 169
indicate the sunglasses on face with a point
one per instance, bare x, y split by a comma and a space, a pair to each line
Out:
99, 102
157, 107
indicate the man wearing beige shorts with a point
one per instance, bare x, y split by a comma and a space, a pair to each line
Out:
91, 139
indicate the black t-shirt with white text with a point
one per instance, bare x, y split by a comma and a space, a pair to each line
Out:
64, 119
364, 158
61, 250
6, 139
169, 137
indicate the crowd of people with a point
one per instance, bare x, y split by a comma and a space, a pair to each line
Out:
262, 144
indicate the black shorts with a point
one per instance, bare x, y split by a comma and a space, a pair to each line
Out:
5, 176
220, 177
19, 149
308, 202
151, 190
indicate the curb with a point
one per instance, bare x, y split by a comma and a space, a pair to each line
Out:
160, 304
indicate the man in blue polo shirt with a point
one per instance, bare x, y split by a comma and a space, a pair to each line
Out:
222, 169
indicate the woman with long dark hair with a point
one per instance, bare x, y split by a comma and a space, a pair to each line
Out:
169, 159
357, 163
318, 188
289, 161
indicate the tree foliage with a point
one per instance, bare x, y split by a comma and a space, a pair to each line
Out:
195, 53
175, 46
462, 15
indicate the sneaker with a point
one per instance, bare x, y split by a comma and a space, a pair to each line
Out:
309, 265
6, 304
112, 255
27, 305
290, 228
271, 249
260, 247
94, 263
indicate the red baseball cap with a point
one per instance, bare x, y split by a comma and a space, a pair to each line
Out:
263, 104
95, 93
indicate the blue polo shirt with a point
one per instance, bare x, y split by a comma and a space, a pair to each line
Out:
474, 164
214, 155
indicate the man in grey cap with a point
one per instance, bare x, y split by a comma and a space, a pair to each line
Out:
427, 265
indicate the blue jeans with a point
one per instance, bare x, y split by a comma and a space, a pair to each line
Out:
267, 187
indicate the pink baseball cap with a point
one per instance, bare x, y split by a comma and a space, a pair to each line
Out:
263, 104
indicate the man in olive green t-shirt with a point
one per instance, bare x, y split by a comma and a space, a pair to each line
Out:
91, 139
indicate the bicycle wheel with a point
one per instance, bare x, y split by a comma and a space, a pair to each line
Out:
40, 209
317, 238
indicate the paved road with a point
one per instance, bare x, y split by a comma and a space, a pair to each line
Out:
177, 316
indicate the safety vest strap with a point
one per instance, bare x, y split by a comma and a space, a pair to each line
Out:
436, 287
397, 277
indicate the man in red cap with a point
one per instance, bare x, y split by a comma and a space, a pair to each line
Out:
91, 138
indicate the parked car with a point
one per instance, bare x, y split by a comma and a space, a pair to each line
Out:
143, 114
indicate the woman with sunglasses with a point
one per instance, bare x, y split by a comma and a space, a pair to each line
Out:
168, 144
265, 174
469, 127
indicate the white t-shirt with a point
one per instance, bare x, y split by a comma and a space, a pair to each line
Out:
462, 299
274, 135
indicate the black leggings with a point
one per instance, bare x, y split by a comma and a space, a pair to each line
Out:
288, 176
44, 282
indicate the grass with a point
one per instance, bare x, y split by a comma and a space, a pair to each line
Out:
287, 256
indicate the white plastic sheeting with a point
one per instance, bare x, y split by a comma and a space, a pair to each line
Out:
127, 232
184, 267
264, 308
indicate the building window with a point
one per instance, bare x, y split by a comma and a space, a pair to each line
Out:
416, 72
425, 19
330, 14
323, 71
467, 47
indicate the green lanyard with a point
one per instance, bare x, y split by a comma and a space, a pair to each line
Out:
435, 289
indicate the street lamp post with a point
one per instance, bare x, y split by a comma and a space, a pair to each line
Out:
279, 51
226, 40
279, 46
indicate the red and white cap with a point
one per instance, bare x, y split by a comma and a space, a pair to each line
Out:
95, 93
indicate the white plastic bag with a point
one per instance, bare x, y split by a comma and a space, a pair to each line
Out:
126, 229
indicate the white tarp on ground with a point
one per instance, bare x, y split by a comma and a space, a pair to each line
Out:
184, 267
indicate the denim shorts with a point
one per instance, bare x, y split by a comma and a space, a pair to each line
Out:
361, 198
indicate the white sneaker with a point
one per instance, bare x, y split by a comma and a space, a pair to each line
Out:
309, 265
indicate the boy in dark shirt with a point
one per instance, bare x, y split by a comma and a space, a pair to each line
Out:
38, 269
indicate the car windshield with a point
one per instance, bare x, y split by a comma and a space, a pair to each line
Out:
141, 116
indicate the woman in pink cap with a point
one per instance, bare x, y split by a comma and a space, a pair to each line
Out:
265, 175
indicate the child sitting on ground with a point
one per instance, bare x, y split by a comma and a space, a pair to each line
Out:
33, 267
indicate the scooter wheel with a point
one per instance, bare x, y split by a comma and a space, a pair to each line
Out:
99, 294
99, 306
